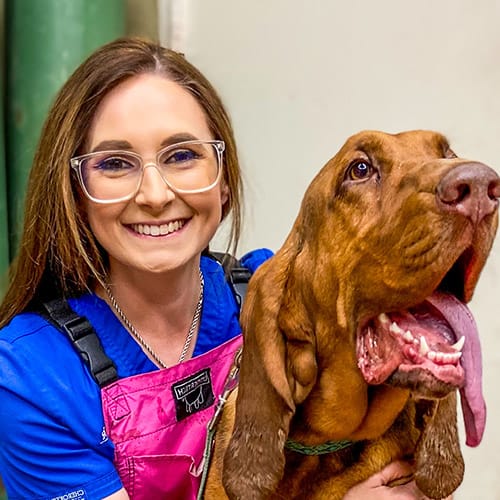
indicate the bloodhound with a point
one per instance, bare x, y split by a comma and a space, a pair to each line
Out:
357, 336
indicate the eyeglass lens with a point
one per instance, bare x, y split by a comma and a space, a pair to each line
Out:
112, 175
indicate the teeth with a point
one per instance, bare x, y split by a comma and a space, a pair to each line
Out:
459, 345
408, 336
441, 357
383, 318
395, 328
157, 230
424, 347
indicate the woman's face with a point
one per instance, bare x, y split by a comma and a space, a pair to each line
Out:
158, 229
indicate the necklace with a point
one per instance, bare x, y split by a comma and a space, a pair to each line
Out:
143, 343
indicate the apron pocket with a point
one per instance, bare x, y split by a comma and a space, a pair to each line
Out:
158, 477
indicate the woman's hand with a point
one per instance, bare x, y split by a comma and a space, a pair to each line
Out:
376, 487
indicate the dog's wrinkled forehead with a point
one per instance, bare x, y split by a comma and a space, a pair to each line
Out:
417, 144
372, 151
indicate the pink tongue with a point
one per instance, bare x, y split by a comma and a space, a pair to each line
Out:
461, 321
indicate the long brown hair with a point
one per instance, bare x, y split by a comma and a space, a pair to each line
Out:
58, 253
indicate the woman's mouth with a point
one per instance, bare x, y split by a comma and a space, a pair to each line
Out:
157, 229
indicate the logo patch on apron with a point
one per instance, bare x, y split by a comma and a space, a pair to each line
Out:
193, 394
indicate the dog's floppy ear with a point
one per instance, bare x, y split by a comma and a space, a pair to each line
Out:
278, 369
439, 462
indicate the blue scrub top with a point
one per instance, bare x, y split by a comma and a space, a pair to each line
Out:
52, 438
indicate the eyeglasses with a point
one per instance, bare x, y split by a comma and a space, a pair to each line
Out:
113, 176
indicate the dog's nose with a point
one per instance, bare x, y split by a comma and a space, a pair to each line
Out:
471, 189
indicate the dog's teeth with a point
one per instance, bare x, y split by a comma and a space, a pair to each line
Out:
408, 336
383, 318
448, 358
452, 357
431, 355
395, 328
459, 345
424, 347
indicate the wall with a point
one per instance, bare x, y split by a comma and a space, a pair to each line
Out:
300, 76
142, 19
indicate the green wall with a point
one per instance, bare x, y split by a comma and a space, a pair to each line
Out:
45, 41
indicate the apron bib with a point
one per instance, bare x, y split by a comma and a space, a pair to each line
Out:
165, 413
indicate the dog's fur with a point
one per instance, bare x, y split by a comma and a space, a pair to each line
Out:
388, 221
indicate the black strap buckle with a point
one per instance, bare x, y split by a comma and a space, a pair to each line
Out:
239, 278
236, 275
84, 339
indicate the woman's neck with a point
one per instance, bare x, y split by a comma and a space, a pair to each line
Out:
160, 307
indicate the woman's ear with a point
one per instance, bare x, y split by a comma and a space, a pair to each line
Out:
224, 193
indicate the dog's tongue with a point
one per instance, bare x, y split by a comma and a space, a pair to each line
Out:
461, 321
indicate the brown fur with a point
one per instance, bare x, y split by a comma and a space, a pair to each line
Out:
359, 247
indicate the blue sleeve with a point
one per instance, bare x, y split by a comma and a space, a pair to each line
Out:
252, 260
52, 439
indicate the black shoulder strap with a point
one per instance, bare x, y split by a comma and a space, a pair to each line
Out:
237, 275
83, 337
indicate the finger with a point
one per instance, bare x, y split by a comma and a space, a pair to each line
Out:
407, 491
397, 472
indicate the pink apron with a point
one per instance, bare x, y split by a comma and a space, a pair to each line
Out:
158, 423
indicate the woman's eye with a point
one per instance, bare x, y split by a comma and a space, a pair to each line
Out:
359, 170
182, 155
114, 164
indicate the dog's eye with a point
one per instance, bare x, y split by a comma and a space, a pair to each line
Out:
359, 170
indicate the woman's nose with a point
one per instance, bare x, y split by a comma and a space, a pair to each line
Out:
153, 191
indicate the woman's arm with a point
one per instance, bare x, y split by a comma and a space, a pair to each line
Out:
51, 423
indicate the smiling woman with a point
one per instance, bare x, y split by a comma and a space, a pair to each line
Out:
135, 170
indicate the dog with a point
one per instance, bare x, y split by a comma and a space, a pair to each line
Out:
356, 333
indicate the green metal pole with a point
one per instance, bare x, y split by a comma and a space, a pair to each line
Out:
4, 229
45, 41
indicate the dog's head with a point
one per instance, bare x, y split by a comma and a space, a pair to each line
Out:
369, 288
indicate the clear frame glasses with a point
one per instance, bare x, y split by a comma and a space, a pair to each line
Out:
113, 176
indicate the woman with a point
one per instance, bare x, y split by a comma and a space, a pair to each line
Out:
135, 170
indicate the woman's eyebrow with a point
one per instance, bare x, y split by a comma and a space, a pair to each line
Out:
112, 145
180, 137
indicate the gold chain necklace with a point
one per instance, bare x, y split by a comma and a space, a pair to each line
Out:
138, 336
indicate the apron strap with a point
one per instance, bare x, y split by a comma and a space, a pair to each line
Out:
237, 275
229, 386
83, 337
